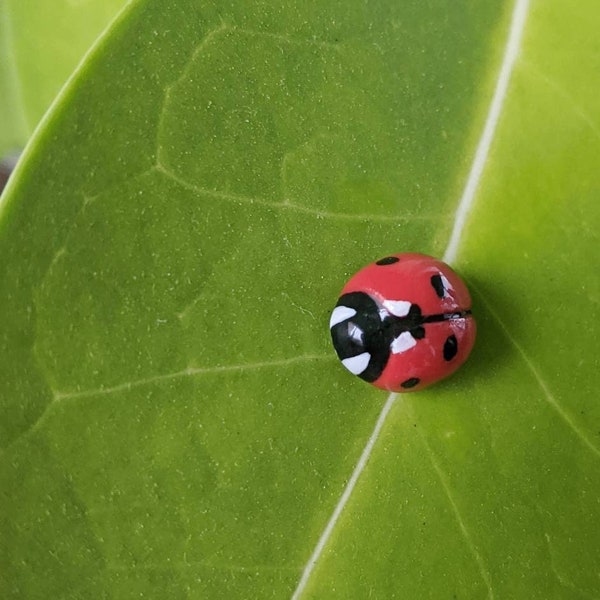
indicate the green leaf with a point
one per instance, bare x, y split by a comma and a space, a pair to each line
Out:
174, 423
41, 42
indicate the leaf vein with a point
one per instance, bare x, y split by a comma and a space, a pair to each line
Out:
288, 204
60, 396
562, 579
288, 39
223, 28
186, 564
484, 571
575, 107
204, 42
189, 372
547, 394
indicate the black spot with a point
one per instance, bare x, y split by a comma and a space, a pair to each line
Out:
410, 383
388, 260
438, 285
450, 348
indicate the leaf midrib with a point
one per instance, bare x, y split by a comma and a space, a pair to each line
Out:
510, 55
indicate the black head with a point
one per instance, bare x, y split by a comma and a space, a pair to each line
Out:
358, 331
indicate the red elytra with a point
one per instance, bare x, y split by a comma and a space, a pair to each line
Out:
403, 322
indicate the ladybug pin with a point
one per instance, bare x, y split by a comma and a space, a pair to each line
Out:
403, 322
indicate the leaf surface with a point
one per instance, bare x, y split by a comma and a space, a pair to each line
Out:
174, 422
40, 44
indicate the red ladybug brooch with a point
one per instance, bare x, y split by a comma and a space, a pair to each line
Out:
403, 322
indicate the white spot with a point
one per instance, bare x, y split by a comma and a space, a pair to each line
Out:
339, 314
399, 308
357, 364
403, 342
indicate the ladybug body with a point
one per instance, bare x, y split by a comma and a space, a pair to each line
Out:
403, 322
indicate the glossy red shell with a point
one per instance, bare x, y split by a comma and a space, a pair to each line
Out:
409, 279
